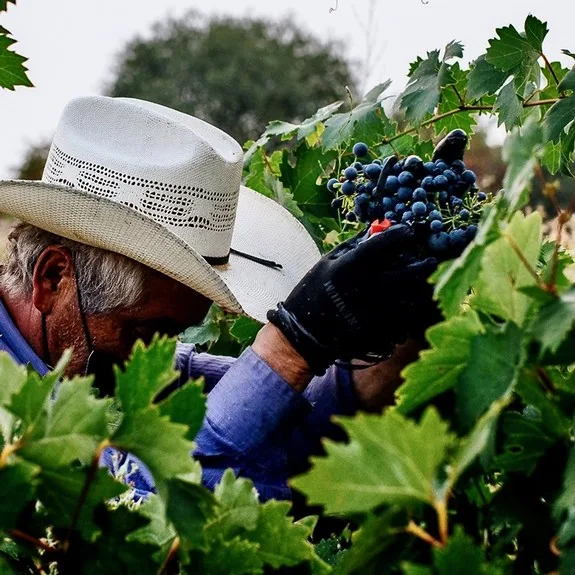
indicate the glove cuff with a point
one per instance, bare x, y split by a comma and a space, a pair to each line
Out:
317, 356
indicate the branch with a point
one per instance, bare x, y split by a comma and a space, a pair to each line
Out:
458, 94
416, 530
441, 509
550, 68
17, 534
463, 108
171, 555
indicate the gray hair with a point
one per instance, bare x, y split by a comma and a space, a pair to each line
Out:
106, 280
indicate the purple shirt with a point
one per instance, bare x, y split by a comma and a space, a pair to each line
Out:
256, 423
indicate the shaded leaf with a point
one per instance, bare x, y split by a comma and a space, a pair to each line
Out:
206, 332
17, 489
484, 79
508, 106
438, 367
187, 405
555, 321
460, 555
389, 459
558, 118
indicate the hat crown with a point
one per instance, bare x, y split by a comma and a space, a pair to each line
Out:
175, 169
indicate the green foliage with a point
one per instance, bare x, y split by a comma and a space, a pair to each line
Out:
12, 70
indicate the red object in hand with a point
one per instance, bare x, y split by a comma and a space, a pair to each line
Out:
378, 226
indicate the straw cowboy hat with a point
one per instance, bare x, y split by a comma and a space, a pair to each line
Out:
164, 189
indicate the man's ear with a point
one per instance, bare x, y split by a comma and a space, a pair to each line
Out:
53, 277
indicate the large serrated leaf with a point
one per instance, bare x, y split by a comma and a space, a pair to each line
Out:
147, 372
495, 360
186, 405
389, 459
17, 488
504, 272
510, 50
484, 79
558, 118
12, 70
555, 321
508, 106
439, 367
460, 555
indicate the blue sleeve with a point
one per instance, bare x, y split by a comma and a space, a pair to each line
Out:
257, 424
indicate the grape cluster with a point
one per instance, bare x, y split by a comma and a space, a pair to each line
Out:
438, 198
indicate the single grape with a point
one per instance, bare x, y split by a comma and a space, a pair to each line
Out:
428, 184
358, 166
464, 214
407, 217
331, 184
435, 216
404, 194
436, 226
388, 204
457, 237
431, 206
350, 217
440, 182
456, 202
370, 187
450, 175
443, 197
372, 171
360, 188
391, 216
429, 167
471, 232
419, 208
347, 188
406, 178
391, 184
441, 165
337, 203
378, 162
400, 208
419, 195
481, 196
350, 173
439, 242
396, 170
458, 166
362, 200
468, 177
360, 150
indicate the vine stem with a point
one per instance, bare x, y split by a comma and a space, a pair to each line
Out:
418, 531
90, 476
171, 554
17, 534
442, 519
463, 108
550, 68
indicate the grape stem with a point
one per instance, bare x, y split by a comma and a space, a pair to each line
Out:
458, 94
550, 68
418, 531
170, 556
38, 543
464, 108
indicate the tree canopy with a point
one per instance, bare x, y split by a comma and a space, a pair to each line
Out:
234, 73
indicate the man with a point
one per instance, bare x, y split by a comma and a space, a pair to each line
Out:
139, 224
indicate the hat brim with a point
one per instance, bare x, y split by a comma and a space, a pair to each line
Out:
263, 229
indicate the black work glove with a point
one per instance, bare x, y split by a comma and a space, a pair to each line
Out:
359, 300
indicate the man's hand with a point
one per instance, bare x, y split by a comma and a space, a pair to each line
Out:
359, 300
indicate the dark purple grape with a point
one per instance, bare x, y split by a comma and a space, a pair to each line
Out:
358, 166
391, 216
347, 188
419, 195
372, 171
464, 214
331, 184
436, 226
441, 165
350, 217
458, 166
404, 194
391, 184
471, 232
439, 242
400, 208
419, 208
440, 182
468, 177
481, 196
407, 217
406, 179
360, 150
431, 207
388, 204
378, 162
450, 175
435, 215
429, 167
350, 173
457, 238
428, 184
456, 202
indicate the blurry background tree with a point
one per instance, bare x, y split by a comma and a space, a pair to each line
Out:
236, 74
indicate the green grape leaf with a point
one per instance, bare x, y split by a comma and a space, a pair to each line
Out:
511, 50
239, 508
71, 427
29, 402
281, 195
157, 442
389, 459
520, 152
535, 32
453, 279
567, 82
60, 490
207, 331
186, 405
503, 273
159, 531
555, 321
4, 4
450, 101
495, 360
484, 79
413, 569
244, 329
558, 118
12, 376
232, 557
189, 507
148, 371
551, 158
525, 441
566, 501
281, 542
17, 488
114, 554
508, 106
438, 367
366, 122
551, 90
302, 176
460, 555
306, 128
12, 70
567, 151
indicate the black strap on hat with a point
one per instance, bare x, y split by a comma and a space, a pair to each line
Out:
224, 260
